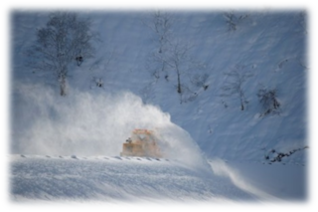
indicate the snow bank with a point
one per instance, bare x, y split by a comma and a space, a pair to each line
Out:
91, 123
118, 179
115, 179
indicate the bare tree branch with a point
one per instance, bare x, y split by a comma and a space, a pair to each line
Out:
64, 39
234, 84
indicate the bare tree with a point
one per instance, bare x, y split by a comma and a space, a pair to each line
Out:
103, 63
233, 19
176, 60
234, 84
160, 24
64, 39
190, 74
173, 57
160, 21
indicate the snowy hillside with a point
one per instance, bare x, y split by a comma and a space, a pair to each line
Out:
241, 101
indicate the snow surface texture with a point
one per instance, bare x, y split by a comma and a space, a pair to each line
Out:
93, 120
72, 182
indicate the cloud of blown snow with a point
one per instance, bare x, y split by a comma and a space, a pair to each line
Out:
86, 123
220, 168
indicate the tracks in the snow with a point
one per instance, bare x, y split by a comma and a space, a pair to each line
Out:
75, 157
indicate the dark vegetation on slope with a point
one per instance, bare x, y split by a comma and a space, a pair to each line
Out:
274, 156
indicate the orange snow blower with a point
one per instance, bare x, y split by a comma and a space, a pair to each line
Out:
142, 143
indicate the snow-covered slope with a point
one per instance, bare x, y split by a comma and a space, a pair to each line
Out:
71, 182
92, 120
271, 46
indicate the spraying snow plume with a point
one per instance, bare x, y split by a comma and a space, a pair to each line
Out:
86, 123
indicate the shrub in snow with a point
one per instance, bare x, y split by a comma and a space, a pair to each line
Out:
268, 100
273, 156
200, 81
63, 40
79, 60
233, 20
97, 82
233, 85
224, 104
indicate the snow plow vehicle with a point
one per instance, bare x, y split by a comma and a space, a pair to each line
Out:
141, 143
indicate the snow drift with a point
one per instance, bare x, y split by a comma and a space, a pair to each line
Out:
116, 179
89, 124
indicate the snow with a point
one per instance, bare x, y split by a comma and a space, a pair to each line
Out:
216, 151
271, 185
100, 182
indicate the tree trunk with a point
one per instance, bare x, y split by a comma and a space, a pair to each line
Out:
63, 87
242, 106
242, 99
179, 83
62, 79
